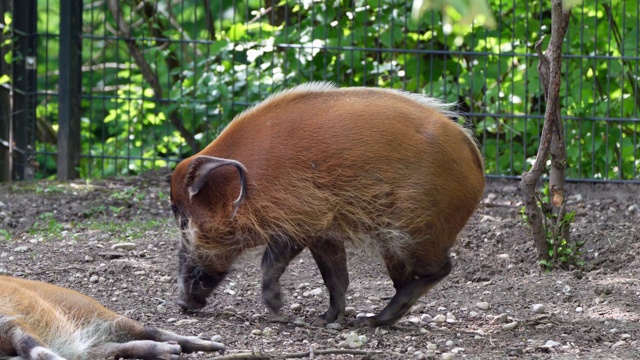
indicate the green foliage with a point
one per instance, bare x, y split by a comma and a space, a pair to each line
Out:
563, 253
463, 12
5, 235
256, 48
47, 225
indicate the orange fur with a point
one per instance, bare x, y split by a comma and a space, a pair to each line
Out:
374, 167
55, 320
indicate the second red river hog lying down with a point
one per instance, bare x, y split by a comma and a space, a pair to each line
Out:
318, 167
40, 321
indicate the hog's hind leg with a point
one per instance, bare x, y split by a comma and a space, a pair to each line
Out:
410, 286
17, 339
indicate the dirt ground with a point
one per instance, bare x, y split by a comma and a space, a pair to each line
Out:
64, 233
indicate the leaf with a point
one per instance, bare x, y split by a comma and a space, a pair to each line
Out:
464, 11
4, 79
568, 4
8, 19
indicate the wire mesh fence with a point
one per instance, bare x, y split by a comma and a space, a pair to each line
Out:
158, 80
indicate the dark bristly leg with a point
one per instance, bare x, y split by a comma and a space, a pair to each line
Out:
408, 291
331, 258
275, 259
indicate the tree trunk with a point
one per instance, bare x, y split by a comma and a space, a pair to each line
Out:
551, 142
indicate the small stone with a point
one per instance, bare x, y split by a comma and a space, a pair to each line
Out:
349, 311
613, 331
380, 331
579, 309
267, 331
316, 292
625, 336
256, 332
500, 319
538, 308
483, 305
165, 279
457, 350
300, 322
217, 338
439, 319
94, 279
186, 322
230, 309
417, 309
172, 320
88, 258
603, 290
632, 209
550, 343
161, 309
21, 249
361, 315
510, 326
432, 346
126, 246
334, 326
449, 343
447, 356
619, 343
353, 340
473, 314
425, 318
450, 316
296, 307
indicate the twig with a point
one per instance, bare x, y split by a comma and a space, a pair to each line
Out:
261, 355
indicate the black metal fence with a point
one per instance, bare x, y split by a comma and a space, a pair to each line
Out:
111, 87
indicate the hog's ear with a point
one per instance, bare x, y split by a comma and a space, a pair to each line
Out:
198, 172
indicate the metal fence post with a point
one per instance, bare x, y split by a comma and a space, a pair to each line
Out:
69, 85
23, 76
5, 100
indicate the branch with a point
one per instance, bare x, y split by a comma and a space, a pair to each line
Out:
549, 67
267, 356
147, 73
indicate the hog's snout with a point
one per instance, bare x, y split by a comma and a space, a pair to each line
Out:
195, 286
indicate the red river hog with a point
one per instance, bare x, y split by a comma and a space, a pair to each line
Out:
39, 321
317, 167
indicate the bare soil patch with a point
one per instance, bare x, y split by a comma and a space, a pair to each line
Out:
63, 233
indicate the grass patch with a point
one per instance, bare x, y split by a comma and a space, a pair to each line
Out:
129, 230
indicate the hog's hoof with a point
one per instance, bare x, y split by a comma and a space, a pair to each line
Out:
279, 318
364, 321
319, 322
